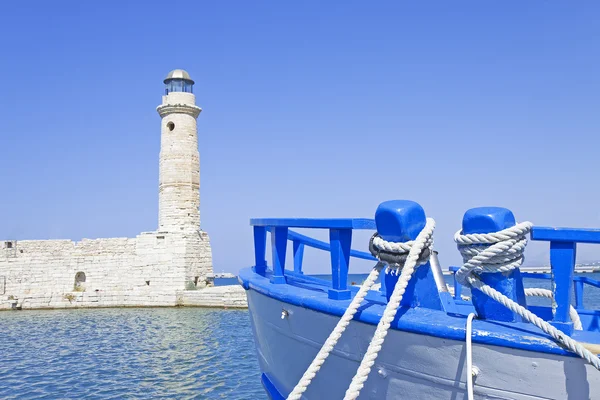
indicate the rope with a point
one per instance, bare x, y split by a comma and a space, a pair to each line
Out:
500, 252
491, 252
422, 243
548, 293
469, 357
335, 335
394, 253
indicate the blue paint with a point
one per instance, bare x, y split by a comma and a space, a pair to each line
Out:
317, 244
260, 249
399, 220
448, 303
339, 247
425, 311
562, 260
578, 294
298, 248
587, 281
317, 223
383, 288
579, 283
457, 285
270, 388
563, 250
518, 335
510, 284
487, 220
278, 247
565, 234
340, 241
402, 221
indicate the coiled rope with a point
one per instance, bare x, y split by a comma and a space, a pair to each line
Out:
501, 252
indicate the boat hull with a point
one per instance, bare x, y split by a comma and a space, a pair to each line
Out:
409, 366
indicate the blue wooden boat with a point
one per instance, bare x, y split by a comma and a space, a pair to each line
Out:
411, 338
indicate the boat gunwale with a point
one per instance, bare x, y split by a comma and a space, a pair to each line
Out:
420, 320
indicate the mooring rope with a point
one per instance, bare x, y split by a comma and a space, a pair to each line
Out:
493, 252
538, 292
335, 335
500, 252
395, 256
414, 257
470, 370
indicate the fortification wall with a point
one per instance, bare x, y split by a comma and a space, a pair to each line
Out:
147, 270
41, 266
233, 296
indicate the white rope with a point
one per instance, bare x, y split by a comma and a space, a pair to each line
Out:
335, 335
548, 293
492, 252
527, 315
421, 243
470, 371
499, 252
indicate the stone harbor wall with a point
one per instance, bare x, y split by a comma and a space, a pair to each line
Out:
153, 269
216, 296
162, 268
232, 296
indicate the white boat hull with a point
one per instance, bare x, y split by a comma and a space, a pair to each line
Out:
410, 365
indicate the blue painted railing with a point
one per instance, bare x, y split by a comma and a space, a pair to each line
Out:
579, 283
340, 241
563, 249
563, 243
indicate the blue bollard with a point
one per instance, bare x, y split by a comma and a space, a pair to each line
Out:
510, 284
401, 221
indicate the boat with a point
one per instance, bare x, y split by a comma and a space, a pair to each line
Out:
401, 334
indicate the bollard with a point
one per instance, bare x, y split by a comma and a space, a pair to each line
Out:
510, 284
402, 221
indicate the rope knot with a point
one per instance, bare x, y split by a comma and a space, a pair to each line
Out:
395, 254
500, 251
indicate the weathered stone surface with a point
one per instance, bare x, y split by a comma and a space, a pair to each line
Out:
153, 269
217, 296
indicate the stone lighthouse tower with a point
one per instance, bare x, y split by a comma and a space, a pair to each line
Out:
179, 180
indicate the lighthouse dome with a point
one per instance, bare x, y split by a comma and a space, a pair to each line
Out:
179, 74
178, 80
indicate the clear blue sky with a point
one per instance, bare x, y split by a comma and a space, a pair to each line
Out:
313, 109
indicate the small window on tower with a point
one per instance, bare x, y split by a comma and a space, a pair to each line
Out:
171, 126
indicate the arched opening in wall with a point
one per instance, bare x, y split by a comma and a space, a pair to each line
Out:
79, 282
171, 126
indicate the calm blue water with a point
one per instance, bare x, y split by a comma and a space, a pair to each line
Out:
157, 353
143, 353
226, 281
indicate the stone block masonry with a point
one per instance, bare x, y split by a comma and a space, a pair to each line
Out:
169, 267
152, 269
217, 296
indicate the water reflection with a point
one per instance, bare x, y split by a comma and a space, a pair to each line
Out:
183, 353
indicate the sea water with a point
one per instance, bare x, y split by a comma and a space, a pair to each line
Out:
128, 353
140, 353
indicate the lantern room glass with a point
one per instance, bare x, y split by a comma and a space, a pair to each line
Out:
179, 85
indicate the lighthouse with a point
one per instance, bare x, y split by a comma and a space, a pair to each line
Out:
164, 267
179, 165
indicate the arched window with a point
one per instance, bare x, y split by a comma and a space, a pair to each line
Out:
79, 282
